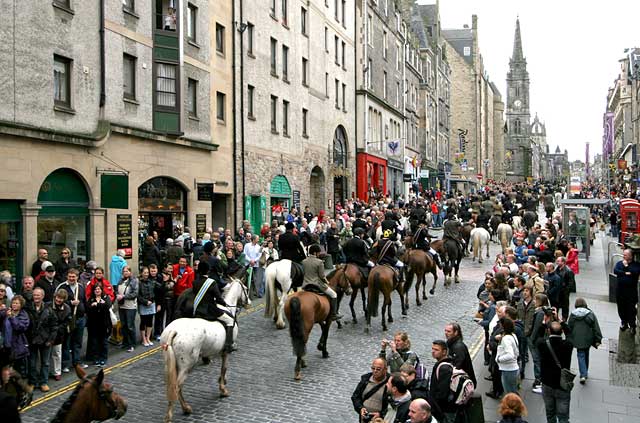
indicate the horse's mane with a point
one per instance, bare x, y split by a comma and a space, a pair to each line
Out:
66, 406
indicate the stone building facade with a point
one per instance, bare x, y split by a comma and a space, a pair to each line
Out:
113, 143
539, 148
473, 117
295, 107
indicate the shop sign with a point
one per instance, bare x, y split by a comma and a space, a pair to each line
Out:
424, 173
296, 199
407, 177
114, 191
201, 225
124, 238
205, 192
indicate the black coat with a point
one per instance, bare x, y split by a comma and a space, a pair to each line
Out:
549, 371
439, 385
146, 291
356, 397
290, 248
44, 325
355, 251
81, 307
207, 308
151, 255
63, 315
419, 388
49, 288
333, 244
98, 316
461, 358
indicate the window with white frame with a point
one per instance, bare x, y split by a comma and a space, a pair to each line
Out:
61, 81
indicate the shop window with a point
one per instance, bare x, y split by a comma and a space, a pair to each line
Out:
161, 208
63, 218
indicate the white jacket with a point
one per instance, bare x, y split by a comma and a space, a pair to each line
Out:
507, 356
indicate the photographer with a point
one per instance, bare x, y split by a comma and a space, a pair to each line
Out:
370, 396
400, 351
537, 332
556, 399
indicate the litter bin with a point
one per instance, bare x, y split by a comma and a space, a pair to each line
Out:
613, 285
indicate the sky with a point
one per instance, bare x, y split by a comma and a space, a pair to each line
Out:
572, 49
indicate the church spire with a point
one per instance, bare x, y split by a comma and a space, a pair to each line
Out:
517, 44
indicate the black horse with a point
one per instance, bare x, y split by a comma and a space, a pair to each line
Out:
453, 254
529, 219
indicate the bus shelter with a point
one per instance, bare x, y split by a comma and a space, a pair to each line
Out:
576, 217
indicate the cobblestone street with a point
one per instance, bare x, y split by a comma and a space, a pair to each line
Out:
260, 377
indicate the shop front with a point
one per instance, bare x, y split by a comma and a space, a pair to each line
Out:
10, 237
63, 219
372, 176
162, 208
280, 193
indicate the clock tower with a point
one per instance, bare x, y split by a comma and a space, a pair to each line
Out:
517, 138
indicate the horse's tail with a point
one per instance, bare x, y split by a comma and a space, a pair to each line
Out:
270, 293
296, 327
374, 291
170, 367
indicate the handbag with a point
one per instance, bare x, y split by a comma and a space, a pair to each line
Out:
566, 376
113, 316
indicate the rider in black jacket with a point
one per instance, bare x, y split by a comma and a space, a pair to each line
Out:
289, 245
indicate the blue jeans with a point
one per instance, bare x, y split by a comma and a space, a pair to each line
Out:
128, 322
509, 380
258, 280
535, 357
39, 355
72, 346
583, 361
556, 404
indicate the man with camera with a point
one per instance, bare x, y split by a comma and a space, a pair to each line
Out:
370, 396
556, 399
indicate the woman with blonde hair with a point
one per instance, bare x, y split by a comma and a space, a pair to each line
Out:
64, 263
400, 351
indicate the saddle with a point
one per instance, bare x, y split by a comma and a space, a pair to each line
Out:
315, 289
396, 273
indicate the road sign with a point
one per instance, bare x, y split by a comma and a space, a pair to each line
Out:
479, 176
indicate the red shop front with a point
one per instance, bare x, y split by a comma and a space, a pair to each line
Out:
372, 175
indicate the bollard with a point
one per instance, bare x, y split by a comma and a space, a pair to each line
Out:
475, 411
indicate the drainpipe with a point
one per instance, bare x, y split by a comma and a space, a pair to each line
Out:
103, 96
355, 95
242, 159
235, 134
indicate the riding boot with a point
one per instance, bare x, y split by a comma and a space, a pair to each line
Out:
228, 339
436, 257
333, 307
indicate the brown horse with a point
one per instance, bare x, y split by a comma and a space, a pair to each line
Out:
303, 310
355, 280
465, 233
383, 278
91, 400
419, 263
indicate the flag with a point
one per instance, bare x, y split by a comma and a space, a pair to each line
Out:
607, 143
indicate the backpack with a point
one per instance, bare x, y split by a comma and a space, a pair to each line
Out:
421, 370
461, 387
187, 245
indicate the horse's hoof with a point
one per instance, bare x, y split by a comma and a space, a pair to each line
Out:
280, 325
431, 291
418, 303
384, 328
325, 354
320, 347
390, 319
339, 324
298, 376
303, 364
224, 393
186, 410
354, 321
366, 330
424, 297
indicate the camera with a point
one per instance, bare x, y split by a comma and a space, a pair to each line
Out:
548, 310
367, 418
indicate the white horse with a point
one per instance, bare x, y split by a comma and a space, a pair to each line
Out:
505, 235
278, 271
184, 341
479, 238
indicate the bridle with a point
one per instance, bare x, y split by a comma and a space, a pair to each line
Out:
104, 394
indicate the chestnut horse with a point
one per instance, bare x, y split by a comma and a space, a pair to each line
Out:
383, 278
419, 263
355, 280
91, 400
303, 310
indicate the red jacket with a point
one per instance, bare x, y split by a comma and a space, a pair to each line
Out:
107, 288
182, 283
572, 261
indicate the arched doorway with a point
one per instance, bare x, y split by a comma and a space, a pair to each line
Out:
63, 219
316, 192
162, 207
340, 191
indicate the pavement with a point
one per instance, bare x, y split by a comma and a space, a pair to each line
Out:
600, 399
260, 376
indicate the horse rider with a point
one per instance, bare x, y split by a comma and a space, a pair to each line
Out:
549, 206
291, 249
385, 250
422, 241
483, 220
452, 230
390, 224
356, 252
497, 208
209, 304
417, 215
314, 277
487, 206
